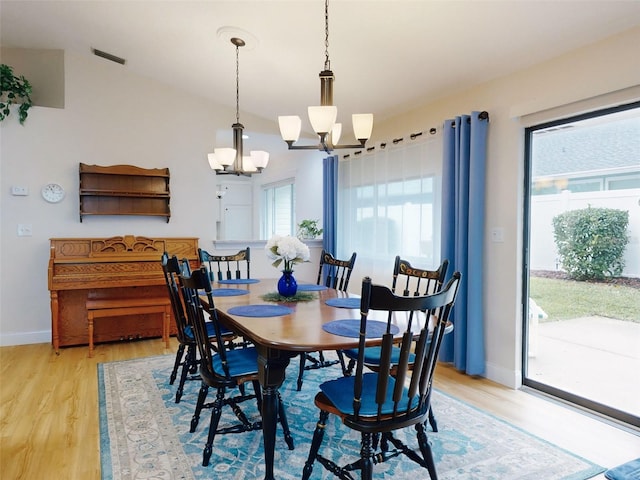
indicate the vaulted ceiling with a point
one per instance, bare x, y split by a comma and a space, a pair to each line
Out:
387, 56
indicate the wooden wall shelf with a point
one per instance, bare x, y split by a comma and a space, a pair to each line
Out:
124, 190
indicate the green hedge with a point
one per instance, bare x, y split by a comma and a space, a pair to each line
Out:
591, 242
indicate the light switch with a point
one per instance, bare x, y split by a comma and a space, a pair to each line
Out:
497, 235
19, 191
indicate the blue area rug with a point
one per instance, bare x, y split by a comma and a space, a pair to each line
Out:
144, 434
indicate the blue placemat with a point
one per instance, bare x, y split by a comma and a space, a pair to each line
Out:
344, 302
224, 292
260, 310
238, 281
307, 287
228, 292
351, 328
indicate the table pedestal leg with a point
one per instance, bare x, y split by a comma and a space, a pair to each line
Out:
271, 372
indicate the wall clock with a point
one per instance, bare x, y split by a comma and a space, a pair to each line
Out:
52, 193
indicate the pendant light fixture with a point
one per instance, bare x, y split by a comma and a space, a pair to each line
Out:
231, 161
323, 117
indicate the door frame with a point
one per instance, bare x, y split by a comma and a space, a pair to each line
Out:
558, 393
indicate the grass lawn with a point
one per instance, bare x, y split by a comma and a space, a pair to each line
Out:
565, 299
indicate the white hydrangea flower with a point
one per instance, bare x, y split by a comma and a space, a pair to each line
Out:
287, 249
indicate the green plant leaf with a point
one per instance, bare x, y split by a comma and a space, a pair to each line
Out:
591, 242
14, 90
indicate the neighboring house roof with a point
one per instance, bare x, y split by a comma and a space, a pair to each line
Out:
584, 149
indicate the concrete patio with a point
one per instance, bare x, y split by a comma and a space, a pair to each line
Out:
593, 357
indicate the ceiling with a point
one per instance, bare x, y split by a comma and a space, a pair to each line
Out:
387, 56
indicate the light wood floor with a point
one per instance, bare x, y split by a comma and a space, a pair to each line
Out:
49, 415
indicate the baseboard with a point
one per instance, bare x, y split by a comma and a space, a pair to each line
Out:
25, 338
504, 376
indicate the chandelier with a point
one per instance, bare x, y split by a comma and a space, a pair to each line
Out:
323, 117
231, 161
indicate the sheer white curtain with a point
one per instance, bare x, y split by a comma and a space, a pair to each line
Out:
389, 204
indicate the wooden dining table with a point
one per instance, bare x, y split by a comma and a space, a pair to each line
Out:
279, 338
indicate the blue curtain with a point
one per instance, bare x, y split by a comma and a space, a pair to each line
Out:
330, 203
463, 189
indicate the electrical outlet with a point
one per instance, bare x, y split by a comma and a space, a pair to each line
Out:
25, 230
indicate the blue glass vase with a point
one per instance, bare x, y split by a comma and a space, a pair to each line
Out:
287, 285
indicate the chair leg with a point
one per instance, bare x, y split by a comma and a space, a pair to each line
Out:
321, 358
174, 372
303, 359
282, 415
318, 435
432, 420
342, 364
202, 396
366, 455
183, 379
257, 390
384, 442
187, 366
350, 367
425, 449
216, 412
192, 353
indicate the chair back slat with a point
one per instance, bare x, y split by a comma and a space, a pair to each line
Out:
408, 280
435, 337
385, 366
227, 267
404, 382
402, 367
334, 273
418, 363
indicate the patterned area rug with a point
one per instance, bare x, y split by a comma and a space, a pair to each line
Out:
145, 434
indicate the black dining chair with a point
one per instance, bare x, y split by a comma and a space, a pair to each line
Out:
187, 353
407, 281
398, 394
332, 273
227, 267
223, 368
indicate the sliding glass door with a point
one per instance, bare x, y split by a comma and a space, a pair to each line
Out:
582, 261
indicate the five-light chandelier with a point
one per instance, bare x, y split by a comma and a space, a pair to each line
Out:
323, 117
231, 161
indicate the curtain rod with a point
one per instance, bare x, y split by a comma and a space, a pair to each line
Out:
395, 141
484, 115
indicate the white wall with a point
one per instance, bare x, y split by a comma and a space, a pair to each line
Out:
112, 117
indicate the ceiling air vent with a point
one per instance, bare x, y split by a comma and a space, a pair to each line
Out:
108, 56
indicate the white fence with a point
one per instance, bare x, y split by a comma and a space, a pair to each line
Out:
543, 253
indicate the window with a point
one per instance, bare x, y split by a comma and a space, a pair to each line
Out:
624, 182
389, 204
279, 209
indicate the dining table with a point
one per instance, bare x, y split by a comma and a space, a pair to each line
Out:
282, 330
